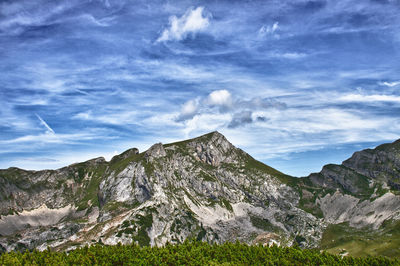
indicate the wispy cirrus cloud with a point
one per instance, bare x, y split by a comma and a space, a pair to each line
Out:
22, 16
269, 30
389, 84
51, 138
375, 98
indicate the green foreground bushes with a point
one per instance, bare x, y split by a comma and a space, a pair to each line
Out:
188, 253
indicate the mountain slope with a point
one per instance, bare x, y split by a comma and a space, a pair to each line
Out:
363, 190
202, 188
360, 200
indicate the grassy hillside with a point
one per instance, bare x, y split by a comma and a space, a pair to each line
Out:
343, 239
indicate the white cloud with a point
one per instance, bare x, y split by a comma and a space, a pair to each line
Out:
204, 123
191, 22
222, 98
114, 118
291, 128
369, 98
48, 137
293, 55
188, 110
240, 110
362, 73
298, 130
389, 84
268, 30
92, 20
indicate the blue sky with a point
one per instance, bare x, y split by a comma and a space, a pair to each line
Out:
297, 84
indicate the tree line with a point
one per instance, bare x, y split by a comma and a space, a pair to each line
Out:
188, 253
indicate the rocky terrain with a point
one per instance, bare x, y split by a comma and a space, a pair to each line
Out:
202, 188
363, 190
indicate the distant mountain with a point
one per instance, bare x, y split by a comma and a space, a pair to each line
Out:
202, 188
360, 200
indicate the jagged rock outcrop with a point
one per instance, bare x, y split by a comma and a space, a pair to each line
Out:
203, 188
155, 151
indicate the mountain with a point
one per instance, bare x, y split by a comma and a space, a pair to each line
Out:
360, 200
203, 188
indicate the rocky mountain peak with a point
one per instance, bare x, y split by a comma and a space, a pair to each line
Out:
213, 148
213, 137
155, 151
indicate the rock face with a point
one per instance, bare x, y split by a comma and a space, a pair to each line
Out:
203, 188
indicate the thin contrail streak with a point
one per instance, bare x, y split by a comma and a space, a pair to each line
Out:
45, 124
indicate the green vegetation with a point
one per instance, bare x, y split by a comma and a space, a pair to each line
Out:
188, 253
227, 205
14, 175
341, 238
263, 224
148, 168
253, 164
207, 177
145, 223
11, 212
308, 197
388, 146
380, 191
119, 163
23, 179
116, 207
201, 234
91, 184
182, 144
358, 181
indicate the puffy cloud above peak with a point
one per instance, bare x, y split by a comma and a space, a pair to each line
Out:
191, 22
221, 98
236, 112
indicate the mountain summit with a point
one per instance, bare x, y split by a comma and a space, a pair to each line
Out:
203, 188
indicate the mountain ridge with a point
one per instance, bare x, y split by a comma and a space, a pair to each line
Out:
202, 188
